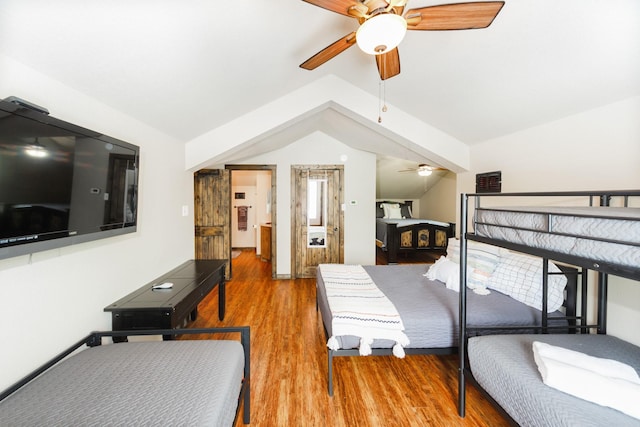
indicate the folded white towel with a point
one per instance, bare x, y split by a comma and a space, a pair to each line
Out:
597, 380
607, 367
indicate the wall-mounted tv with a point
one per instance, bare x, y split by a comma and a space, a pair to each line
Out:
61, 184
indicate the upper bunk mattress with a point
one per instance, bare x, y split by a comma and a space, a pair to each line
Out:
606, 234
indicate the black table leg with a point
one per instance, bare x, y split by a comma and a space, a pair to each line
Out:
221, 298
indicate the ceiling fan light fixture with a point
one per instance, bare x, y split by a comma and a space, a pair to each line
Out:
381, 33
424, 171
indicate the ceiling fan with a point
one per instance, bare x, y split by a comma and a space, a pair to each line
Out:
422, 169
383, 25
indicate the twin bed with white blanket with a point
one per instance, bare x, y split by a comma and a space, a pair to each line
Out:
407, 311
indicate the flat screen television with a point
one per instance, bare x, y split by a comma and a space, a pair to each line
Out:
61, 184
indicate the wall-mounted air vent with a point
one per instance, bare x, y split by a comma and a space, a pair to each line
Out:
489, 182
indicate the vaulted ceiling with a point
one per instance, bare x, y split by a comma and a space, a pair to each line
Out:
187, 68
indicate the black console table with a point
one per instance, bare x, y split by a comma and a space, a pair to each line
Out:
169, 301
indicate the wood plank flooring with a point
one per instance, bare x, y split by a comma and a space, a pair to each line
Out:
289, 364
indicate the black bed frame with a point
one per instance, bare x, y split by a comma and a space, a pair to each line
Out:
397, 244
95, 339
378, 352
585, 264
408, 239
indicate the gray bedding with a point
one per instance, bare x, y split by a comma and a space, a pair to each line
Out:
504, 366
429, 311
598, 233
137, 383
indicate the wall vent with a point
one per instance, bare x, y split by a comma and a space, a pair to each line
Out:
489, 182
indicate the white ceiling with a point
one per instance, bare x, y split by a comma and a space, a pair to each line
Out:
187, 67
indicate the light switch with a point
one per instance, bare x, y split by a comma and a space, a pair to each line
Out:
185, 210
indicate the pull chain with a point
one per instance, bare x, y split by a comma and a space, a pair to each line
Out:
382, 94
380, 101
384, 97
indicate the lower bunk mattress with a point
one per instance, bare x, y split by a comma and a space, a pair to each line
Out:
193, 382
504, 366
430, 311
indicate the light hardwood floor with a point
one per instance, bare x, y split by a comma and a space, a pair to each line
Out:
289, 364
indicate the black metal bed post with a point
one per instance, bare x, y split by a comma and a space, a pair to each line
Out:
245, 338
330, 372
545, 295
462, 353
583, 300
603, 283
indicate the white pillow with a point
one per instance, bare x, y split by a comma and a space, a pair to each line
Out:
395, 213
481, 258
520, 277
448, 272
387, 206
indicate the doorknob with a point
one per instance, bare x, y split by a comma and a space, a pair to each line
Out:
335, 229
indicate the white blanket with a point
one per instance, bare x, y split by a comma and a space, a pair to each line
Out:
603, 381
360, 309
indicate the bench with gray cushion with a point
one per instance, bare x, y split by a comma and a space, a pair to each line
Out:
181, 382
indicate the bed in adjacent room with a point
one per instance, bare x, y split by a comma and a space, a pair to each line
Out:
398, 232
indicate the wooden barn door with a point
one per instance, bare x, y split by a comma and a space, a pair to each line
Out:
212, 195
317, 218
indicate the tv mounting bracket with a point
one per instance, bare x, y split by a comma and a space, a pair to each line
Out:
26, 104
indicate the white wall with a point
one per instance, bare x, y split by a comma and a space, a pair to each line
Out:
52, 299
595, 150
439, 203
359, 186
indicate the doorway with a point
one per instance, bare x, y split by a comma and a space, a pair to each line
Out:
318, 219
252, 211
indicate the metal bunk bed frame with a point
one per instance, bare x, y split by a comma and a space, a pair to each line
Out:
603, 270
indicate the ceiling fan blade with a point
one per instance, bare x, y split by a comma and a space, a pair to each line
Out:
388, 64
458, 16
329, 52
339, 6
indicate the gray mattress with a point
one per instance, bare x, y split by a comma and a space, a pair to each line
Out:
504, 366
606, 234
137, 383
429, 311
